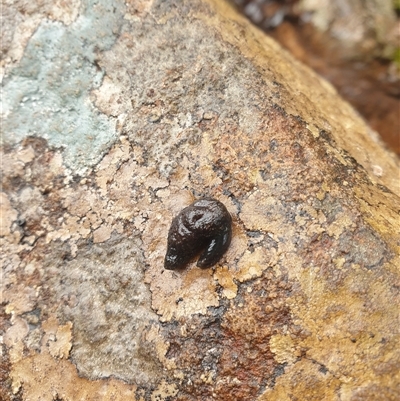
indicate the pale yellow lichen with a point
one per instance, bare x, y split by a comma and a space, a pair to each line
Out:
102, 234
14, 336
225, 280
252, 264
153, 335
306, 378
342, 223
61, 345
284, 348
164, 391
44, 377
19, 299
7, 215
26, 155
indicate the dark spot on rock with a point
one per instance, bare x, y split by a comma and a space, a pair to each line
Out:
364, 248
273, 145
326, 135
323, 369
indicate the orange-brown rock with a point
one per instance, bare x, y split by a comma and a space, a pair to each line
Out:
131, 112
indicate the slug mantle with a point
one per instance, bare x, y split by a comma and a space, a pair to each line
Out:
204, 226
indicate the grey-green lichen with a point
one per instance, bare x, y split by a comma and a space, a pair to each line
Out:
47, 95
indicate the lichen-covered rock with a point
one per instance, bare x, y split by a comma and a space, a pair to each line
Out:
128, 113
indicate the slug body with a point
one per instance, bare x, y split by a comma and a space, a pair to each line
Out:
205, 228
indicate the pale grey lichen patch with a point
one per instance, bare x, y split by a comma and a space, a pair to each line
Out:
47, 95
180, 90
104, 295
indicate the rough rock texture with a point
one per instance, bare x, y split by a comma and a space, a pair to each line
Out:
116, 116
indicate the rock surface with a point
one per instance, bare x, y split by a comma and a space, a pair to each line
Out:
116, 116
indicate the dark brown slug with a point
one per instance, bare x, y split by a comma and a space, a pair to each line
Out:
203, 227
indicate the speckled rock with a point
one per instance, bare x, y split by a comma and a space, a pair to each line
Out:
119, 114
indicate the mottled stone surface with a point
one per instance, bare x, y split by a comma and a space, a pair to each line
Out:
128, 113
46, 94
